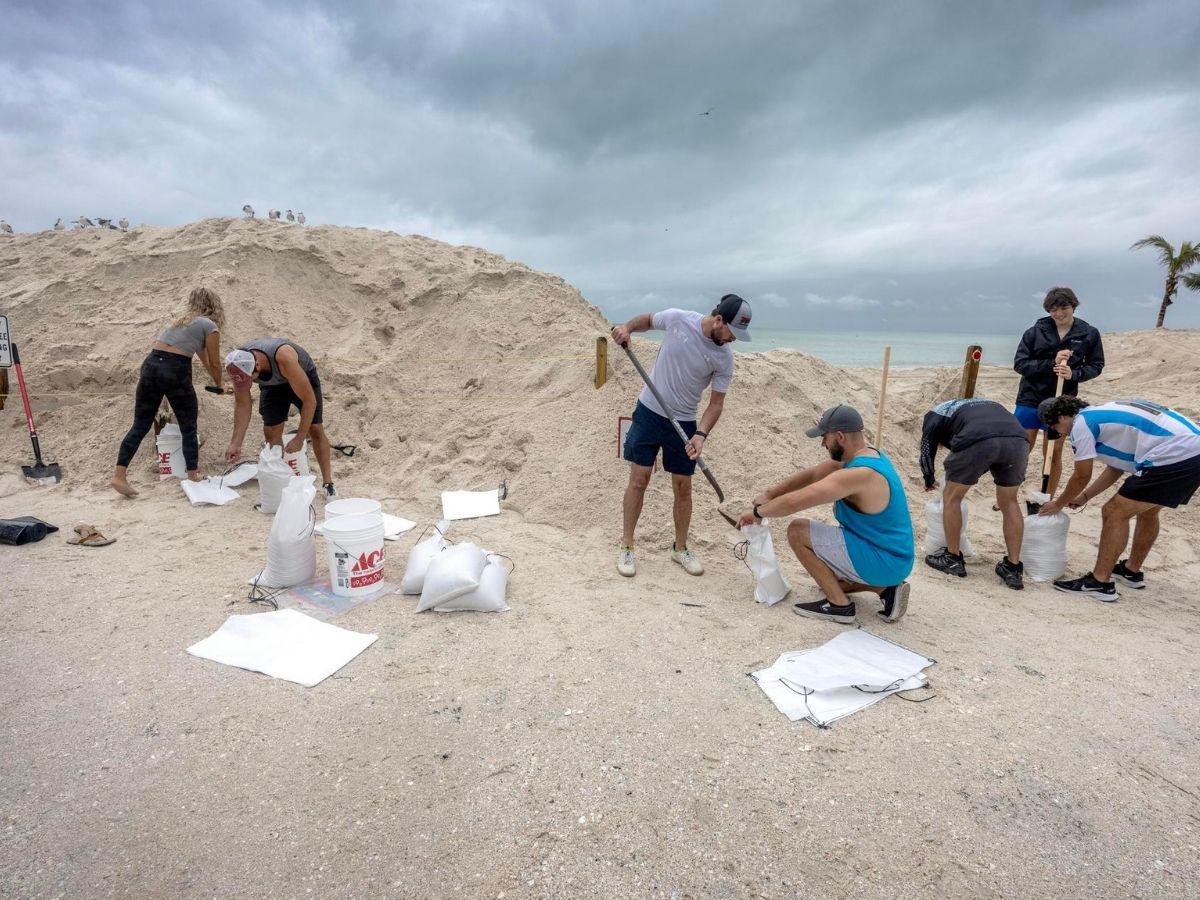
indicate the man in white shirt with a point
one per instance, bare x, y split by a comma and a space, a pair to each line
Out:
1160, 451
694, 354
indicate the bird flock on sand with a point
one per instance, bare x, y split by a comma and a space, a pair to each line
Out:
83, 222
275, 215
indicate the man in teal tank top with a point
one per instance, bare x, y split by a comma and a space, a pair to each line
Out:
872, 547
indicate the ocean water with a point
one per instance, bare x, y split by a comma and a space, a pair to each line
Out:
910, 349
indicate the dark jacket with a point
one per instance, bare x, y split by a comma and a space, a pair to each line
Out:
960, 423
1035, 359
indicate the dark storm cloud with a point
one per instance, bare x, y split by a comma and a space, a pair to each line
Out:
886, 161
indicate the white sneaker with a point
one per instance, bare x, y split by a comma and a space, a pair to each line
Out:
625, 562
687, 559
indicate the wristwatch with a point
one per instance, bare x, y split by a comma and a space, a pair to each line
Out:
703, 434
756, 512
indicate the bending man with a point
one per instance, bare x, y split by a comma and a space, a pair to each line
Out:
982, 436
1160, 451
872, 547
287, 377
695, 353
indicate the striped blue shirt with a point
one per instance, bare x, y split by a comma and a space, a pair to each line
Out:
1134, 435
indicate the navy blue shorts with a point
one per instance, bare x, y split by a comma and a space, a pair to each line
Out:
649, 432
276, 400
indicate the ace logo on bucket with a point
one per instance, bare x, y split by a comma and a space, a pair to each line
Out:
367, 569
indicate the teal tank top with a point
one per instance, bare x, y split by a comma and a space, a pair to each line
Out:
880, 545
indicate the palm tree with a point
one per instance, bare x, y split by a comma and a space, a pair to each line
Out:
1176, 264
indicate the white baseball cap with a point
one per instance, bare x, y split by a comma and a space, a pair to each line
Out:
242, 360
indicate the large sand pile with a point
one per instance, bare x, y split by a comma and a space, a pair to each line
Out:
1058, 756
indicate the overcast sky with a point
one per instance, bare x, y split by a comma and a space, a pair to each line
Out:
906, 165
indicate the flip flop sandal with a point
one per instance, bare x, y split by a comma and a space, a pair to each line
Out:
88, 536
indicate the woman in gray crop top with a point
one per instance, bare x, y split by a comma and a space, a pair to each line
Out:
167, 372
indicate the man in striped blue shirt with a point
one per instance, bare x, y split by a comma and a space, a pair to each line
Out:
1158, 448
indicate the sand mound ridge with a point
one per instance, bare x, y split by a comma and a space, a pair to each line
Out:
450, 366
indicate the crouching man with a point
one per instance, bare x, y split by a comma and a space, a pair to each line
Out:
1158, 448
872, 547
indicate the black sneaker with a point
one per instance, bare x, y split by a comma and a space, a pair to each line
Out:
823, 609
1089, 587
1128, 577
945, 561
330, 491
895, 602
1012, 574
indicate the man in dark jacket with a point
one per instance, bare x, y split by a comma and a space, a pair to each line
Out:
1057, 346
982, 437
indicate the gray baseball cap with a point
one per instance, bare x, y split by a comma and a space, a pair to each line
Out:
837, 418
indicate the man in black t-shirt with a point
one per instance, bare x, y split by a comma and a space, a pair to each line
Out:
982, 436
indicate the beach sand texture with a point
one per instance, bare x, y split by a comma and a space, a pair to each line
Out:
602, 738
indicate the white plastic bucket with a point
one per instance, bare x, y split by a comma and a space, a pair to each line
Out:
354, 547
298, 460
169, 444
353, 506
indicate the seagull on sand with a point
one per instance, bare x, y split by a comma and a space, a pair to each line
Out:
58, 225
104, 223
248, 210
291, 217
85, 222
300, 218
5, 227
124, 223
273, 215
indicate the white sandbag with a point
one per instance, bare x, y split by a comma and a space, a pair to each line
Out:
1044, 545
419, 558
935, 532
489, 596
291, 555
769, 584
453, 572
273, 474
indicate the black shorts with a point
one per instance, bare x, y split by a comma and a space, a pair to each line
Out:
649, 432
275, 401
1171, 485
1004, 457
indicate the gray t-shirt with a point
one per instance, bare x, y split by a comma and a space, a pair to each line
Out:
270, 346
189, 337
687, 363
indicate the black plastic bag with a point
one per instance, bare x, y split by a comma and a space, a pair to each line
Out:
24, 530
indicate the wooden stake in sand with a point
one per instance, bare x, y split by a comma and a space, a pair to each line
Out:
601, 362
970, 372
887, 358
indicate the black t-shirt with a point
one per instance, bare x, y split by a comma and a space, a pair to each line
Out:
960, 423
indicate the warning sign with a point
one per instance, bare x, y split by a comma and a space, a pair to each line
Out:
5, 344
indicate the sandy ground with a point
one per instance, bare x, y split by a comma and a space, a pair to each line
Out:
600, 739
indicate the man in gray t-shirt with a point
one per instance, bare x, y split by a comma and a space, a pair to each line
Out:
694, 355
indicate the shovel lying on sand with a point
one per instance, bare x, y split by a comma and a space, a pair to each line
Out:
679, 431
40, 472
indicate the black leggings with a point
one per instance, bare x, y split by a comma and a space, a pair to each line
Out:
164, 375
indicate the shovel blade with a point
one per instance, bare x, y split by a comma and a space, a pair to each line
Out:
45, 474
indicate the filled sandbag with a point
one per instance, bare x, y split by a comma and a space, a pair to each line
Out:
273, 475
452, 572
769, 584
935, 531
291, 555
490, 596
1044, 544
420, 557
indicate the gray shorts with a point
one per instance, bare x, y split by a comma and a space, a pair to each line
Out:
829, 543
1004, 457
